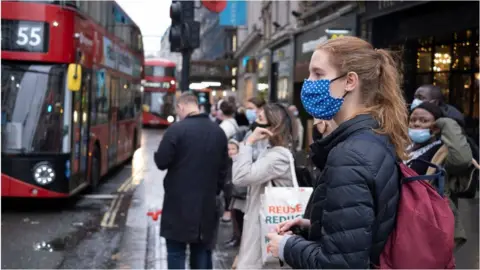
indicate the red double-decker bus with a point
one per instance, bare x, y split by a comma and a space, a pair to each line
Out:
159, 93
71, 94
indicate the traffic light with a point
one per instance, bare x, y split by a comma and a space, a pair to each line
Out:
184, 31
175, 35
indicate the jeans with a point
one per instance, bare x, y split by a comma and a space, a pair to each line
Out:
200, 255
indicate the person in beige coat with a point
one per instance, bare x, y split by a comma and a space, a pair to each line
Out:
272, 165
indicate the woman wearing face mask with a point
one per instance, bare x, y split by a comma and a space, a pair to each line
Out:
256, 116
354, 204
272, 165
440, 140
429, 131
254, 108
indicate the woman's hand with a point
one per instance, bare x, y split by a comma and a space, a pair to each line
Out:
284, 227
274, 242
258, 134
324, 127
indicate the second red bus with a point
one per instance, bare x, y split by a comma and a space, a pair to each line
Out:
159, 89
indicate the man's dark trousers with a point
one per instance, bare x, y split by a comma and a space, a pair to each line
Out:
200, 255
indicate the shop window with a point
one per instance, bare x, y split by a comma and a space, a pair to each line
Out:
461, 56
450, 61
461, 84
234, 43
476, 56
95, 11
424, 59
462, 36
84, 6
423, 79
441, 80
140, 42
282, 89
442, 58
475, 93
103, 13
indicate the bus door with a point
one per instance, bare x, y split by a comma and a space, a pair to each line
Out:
80, 117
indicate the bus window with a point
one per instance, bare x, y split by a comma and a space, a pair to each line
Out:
159, 71
32, 104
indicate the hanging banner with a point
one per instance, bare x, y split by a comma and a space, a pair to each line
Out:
234, 14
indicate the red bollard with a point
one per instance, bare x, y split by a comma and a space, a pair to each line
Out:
154, 215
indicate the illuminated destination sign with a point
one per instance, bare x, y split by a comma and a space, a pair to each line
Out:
156, 85
24, 36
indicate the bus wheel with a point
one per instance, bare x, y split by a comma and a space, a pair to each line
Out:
95, 173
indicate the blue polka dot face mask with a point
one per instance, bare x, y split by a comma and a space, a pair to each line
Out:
317, 100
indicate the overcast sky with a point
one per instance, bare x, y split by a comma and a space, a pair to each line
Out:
153, 18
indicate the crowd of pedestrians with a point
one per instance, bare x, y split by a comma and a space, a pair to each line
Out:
232, 155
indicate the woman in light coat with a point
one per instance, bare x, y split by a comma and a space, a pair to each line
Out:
271, 165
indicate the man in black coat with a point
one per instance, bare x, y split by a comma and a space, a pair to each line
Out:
195, 153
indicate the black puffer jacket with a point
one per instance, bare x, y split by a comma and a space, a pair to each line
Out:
353, 207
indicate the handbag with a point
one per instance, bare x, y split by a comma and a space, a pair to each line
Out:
279, 204
239, 192
304, 169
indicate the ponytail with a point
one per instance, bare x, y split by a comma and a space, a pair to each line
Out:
390, 109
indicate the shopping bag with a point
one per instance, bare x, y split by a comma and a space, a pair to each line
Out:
279, 204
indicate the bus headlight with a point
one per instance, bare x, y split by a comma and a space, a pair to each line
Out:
43, 173
170, 119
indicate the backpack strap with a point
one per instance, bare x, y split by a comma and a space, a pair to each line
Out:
292, 169
438, 158
438, 177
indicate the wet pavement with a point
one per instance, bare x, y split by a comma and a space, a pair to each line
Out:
141, 231
467, 256
151, 190
67, 233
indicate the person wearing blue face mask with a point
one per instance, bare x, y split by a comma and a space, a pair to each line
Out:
425, 135
429, 129
254, 108
439, 139
357, 88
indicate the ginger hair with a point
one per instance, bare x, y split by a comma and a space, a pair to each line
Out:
380, 79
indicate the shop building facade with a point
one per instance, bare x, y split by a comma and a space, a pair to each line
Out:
438, 43
249, 41
274, 55
281, 71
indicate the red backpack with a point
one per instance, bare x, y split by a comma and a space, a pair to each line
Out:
423, 237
